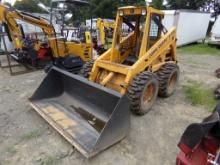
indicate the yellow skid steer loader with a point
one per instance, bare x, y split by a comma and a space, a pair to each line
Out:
94, 113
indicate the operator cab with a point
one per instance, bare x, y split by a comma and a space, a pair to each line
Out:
132, 28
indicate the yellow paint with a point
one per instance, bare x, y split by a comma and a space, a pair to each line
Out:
18, 43
111, 71
101, 25
83, 50
60, 48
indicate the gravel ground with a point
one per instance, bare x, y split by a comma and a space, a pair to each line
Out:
25, 138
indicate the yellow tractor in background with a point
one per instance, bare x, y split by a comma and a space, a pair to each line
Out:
104, 33
64, 54
93, 113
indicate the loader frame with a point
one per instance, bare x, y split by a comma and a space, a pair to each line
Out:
122, 78
117, 75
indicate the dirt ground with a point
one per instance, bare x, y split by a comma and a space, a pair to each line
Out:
25, 138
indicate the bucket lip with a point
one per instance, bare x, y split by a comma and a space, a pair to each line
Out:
88, 154
84, 80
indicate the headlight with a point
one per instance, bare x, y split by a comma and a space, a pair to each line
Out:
121, 12
143, 12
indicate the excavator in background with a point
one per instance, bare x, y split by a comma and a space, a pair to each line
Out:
93, 112
104, 33
30, 50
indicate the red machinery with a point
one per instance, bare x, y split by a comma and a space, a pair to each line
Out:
28, 54
200, 143
44, 53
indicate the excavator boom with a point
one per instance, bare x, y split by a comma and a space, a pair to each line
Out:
65, 54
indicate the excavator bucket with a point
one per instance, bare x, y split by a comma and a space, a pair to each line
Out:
91, 117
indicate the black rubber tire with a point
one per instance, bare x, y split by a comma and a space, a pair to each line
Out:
217, 73
86, 69
167, 73
137, 90
217, 93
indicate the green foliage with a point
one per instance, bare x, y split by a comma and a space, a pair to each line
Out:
103, 9
201, 49
198, 94
30, 5
131, 2
50, 160
30, 135
11, 150
186, 4
158, 4
7, 4
96, 8
106, 8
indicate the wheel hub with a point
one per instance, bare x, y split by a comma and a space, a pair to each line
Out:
149, 93
172, 83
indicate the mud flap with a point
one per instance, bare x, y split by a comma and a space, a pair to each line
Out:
88, 115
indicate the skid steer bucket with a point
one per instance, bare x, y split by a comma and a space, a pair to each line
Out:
91, 117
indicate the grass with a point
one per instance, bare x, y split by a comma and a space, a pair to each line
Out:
25, 137
198, 94
30, 135
201, 49
50, 160
11, 150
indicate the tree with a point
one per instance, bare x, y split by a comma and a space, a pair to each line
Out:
30, 5
132, 2
108, 8
7, 4
158, 4
186, 4
104, 8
